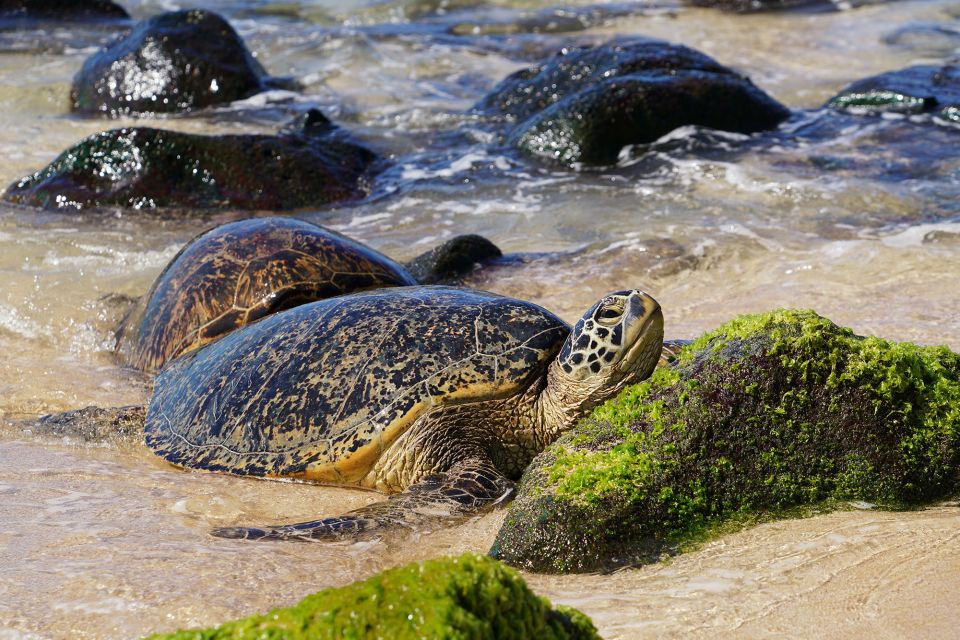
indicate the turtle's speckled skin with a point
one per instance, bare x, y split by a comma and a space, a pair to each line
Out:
441, 393
236, 273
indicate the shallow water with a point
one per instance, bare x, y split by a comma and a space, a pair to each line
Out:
854, 217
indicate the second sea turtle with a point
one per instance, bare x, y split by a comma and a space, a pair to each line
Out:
236, 273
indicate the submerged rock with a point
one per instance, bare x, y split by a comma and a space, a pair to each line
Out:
919, 89
768, 416
60, 10
469, 597
586, 104
308, 165
92, 424
170, 63
756, 6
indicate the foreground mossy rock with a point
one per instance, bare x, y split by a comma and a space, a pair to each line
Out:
469, 597
60, 10
914, 90
308, 165
768, 416
586, 104
170, 63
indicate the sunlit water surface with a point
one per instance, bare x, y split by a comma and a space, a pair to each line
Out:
854, 217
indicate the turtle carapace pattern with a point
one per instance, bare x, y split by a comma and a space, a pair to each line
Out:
231, 275
439, 395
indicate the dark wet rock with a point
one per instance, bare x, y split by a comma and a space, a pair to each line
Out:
172, 62
483, 21
755, 6
308, 165
770, 416
60, 11
586, 104
914, 90
451, 261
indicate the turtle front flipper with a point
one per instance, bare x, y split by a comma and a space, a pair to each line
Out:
467, 488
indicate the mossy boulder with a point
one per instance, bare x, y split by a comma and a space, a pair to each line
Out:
919, 89
172, 62
769, 416
585, 104
466, 597
60, 11
308, 165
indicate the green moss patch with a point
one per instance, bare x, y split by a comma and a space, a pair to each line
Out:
466, 597
770, 415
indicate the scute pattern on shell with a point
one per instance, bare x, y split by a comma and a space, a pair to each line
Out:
236, 273
320, 391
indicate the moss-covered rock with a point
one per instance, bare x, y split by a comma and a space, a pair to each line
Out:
60, 10
466, 597
309, 165
169, 63
768, 416
584, 105
914, 90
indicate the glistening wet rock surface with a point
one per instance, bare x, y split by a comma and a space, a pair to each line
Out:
914, 90
169, 63
584, 105
145, 168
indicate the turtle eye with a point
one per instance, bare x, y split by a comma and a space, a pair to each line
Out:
610, 313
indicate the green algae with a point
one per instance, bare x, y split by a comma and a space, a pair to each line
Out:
466, 597
774, 415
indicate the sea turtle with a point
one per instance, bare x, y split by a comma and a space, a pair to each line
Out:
439, 395
238, 272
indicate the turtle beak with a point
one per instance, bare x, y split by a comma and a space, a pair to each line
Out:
643, 328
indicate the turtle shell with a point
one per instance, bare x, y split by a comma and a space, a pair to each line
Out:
233, 274
320, 391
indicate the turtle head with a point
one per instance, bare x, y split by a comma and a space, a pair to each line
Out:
616, 342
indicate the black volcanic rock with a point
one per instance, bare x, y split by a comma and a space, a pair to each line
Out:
172, 62
307, 165
918, 89
60, 10
584, 105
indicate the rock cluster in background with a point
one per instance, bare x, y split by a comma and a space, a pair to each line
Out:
584, 105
